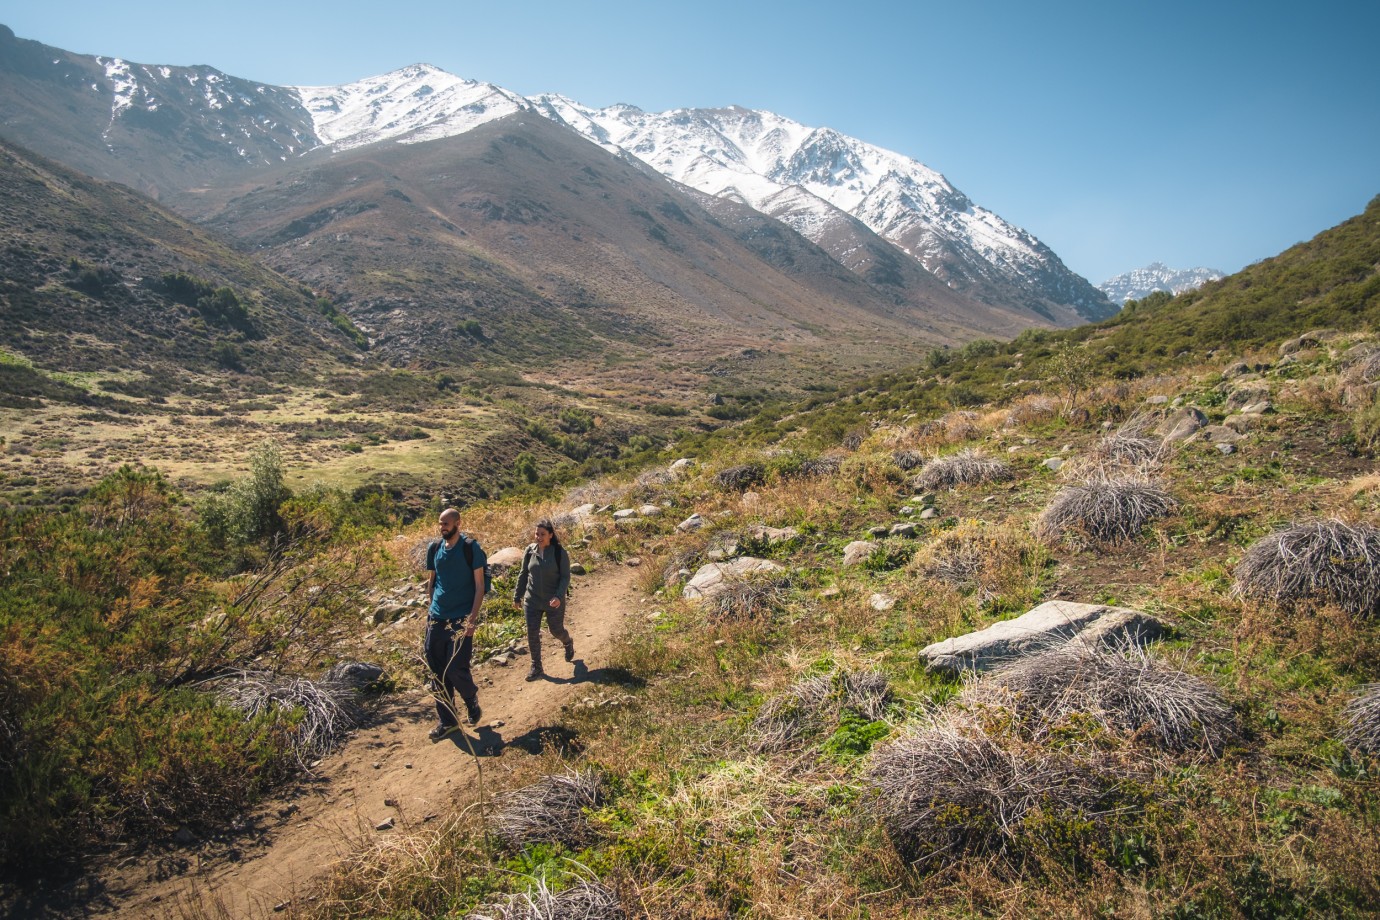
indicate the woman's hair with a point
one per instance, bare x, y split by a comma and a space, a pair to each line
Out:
547, 525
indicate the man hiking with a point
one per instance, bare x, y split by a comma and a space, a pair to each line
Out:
456, 590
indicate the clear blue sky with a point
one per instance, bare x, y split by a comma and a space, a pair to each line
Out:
1118, 132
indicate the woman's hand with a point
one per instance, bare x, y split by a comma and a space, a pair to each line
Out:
555, 602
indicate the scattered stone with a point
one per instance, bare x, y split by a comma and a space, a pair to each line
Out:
355, 674
603, 509
712, 579
377, 765
881, 602
501, 659
773, 536
1246, 396
1217, 434
1226, 448
831, 591
624, 514
1241, 424
1054, 464
633, 562
878, 531
928, 514
1258, 408
390, 803
683, 465
1182, 424
649, 510
1014, 449
1051, 623
723, 546
750, 499
184, 836
693, 522
387, 613
1239, 369
902, 530
856, 553
1157, 400
281, 906
581, 513
906, 509
1289, 346
384, 825
578, 569
503, 559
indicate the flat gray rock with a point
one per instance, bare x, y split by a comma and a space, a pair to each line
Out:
1050, 624
1182, 424
713, 579
506, 557
857, 552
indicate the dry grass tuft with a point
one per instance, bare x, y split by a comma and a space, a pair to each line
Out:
988, 559
581, 901
951, 789
965, 468
1124, 690
1107, 510
328, 711
1322, 561
908, 459
812, 703
754, 597
1362, 716
551, 810
1031, 410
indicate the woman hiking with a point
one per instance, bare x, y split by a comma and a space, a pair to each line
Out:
541, 588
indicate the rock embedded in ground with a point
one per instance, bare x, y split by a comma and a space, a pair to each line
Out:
354, 674
772, 536
387, 613
713, 579
1183, 424
856, 553
649, 510
503, 559
1054, 464
577, 569
878, 531
1050, 624
902, 530
881, 602
693, 522
625, 514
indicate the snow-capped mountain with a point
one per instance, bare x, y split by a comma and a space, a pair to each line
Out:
170, 129
1156, 276
812, 179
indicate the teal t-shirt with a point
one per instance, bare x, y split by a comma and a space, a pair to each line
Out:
454, 594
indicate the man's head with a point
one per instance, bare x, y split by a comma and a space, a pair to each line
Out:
449, 522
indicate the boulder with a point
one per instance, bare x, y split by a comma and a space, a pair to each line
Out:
624, 514
682, 466
1219, 434
856, 553
649, 510
577, 569
1246, 396
902, 530
879, 531
1242, 424
387, 613
713, 579
1159, 400
1054, 464
928, 513
1258, 408
1239, 369
1181, 425
505, 558
693, 522
354, 674
583, 512
1050, 624
772, 536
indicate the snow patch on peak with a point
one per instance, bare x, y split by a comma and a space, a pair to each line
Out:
123, 86
416, 103
1156, 276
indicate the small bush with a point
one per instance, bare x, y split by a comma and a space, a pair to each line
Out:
1107, 510
978, 556
1362, 716
740, 478
314, 717
1125, 690
1321, 561
749, 598
950, 789
551, 810
813, 702
965, 468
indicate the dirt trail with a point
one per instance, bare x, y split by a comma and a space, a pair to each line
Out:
389, 761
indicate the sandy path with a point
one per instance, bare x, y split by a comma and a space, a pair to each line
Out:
389, 769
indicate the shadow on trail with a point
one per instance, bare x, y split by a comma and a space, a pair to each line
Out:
622, 677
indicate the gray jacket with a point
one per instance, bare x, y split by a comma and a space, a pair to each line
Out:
542, 577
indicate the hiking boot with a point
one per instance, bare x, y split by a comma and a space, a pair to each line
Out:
536, 673
473, 711
442, 731
570, 650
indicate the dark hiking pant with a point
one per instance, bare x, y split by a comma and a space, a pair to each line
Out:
555, 618
448, 654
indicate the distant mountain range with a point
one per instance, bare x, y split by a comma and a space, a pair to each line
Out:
418, 198
1156, 276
